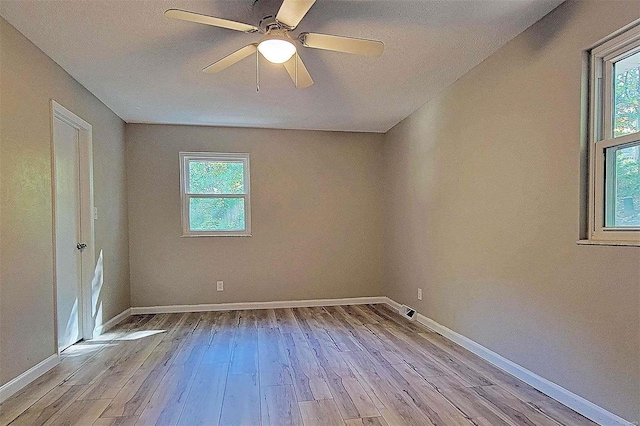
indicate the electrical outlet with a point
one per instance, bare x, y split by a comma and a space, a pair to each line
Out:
419, 294
220, 286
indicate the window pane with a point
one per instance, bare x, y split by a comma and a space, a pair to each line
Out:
623, 186
626, 108
216, 214
216, 177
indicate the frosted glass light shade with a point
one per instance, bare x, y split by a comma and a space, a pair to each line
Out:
277, 50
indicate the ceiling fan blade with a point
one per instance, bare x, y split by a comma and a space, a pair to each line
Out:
301, 77
231, 59
209, 20
358, 46
292, 11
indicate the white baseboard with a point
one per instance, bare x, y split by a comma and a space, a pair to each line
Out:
395, 305
13, 386
557, 392
256, 305
100, 329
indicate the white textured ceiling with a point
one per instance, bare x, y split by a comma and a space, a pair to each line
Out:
147, 68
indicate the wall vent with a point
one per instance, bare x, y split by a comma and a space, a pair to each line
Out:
408, 312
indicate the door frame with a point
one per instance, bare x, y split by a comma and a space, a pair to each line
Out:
87, 216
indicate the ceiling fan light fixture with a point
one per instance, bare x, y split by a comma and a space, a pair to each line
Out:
276, 49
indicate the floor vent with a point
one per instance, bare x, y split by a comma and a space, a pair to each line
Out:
408, 312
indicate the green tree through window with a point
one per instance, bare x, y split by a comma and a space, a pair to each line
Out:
627, 121
216, 177
216, 193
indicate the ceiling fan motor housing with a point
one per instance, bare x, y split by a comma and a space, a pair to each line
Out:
265, 14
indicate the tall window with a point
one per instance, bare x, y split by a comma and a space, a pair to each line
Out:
615, 139
215, 194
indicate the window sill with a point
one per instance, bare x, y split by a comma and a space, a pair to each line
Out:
619, 243
215, 235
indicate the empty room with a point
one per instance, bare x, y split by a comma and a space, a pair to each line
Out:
320, 212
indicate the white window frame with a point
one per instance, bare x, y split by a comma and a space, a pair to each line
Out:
185, 197
601, 137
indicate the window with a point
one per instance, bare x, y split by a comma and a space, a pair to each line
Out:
214, 188
614, 179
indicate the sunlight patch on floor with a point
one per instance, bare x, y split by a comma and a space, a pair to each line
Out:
139, 334
83, 348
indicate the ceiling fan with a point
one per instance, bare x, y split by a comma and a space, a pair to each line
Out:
277, 44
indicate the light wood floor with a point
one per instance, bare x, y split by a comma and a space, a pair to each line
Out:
353, 365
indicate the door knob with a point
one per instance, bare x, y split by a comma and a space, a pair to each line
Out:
81, 246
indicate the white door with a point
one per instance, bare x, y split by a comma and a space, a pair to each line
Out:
67, 232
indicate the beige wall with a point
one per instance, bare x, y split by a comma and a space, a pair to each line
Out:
316, 218
483, 214
28, 80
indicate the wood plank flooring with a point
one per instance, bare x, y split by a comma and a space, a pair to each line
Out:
344, 365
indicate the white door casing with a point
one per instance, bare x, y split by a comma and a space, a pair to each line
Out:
72, 170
